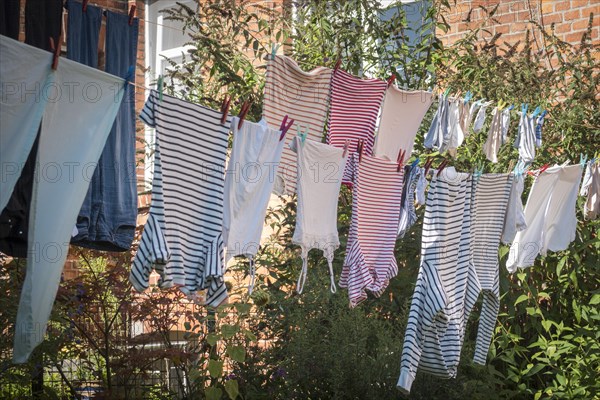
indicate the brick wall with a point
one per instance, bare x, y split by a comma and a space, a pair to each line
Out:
569, 19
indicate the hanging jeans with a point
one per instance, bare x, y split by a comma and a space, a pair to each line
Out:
43, 20
9, 18
108, 215
83, 33
79, 105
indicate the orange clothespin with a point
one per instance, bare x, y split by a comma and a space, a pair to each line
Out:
391, 80
56, 51
243, 112
346, 148
338, 64
359, 149
225, 108
400, 159
131, 14
84, 5
442, 166
284, 128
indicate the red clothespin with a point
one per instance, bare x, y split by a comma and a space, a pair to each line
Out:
131, 14
400, 159
359, 149
284, 128
442, 166
56, 51
243, 112
391, 80
225, 108
84, 5
346, 148
544, 168
338, 64
428, 164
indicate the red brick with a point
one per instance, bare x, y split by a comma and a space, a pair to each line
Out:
552, 18
572, 15
565, 27
573, 38
586, 11
561, 6
580, 25
547, 6
502, 29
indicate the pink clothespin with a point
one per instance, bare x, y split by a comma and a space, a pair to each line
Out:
56, 51
284, 128
391, 80
400, 159
225, 108
243, 112
346, 148
359, 149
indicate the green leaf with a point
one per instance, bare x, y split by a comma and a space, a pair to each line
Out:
187, 325
560, 265
215, 368
212, 338
251, 336
229, 331
237, 353
521, 299
595, 300
213, 393
561, 379
547, 325
232, 389
242, 308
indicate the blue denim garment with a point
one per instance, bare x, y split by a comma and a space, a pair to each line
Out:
107, 219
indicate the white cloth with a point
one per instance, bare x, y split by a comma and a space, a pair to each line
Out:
249, 180
80, 109
480, 118
591, 189
515, 217
505, 124
494, 138
23, 75
402, 114
456, 135
549, 214
320, 170
526, 141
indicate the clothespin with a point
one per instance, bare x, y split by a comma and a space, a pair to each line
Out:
511, 107
285, 127
131, 14
400, 159
56, 51
536, 111
243, 111
511, 164
501, 104
478, 171
524, 108
359, 149
159, 86
338, 64
84, 5
582, 159
442, 166
302, 133
415, 163
428, 164
225, 108
390, 80
468, 96
274, 48
446, 92
346, 148
539, 171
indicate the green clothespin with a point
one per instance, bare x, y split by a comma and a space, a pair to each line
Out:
274, 48
582, 159
302, 133
159, 86
446, 92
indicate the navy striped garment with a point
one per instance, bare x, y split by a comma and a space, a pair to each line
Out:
182, 238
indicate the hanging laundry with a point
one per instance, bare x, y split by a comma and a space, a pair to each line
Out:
497, 134
304, 97
549, 214
255, 154
525, 141
492, 193
466, 114
414, 182
10, 15
515, 217
402, 114
505, 125
539, 122
320, 169
83, 33
355, 104
108, 216
376, 197
591, 189
480, 118
73, 132
43, 20
182, 239
455, 133
434, 138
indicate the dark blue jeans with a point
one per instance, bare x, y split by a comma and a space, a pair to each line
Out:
108, 216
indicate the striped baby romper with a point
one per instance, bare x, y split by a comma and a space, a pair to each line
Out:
447, 276
355, 104
304, 97
182, 239
376, 196
492, 194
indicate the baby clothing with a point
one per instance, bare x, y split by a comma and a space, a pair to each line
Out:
492, 193
591, 189
408, 214
355, 104
304, 97
72, 134
447, 284
249, 182
434, 138
526, 140
320, 169
515, 217
496, 135
401, 118
182, 239
376, 197
456, 134
480, 118
549, 214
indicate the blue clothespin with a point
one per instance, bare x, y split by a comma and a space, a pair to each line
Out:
468, 96
274, 48
130, 74
302, 133
543, 114
159, 86
511, 107
582, 159
415, 163
446, 92
524, 108
536, 111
